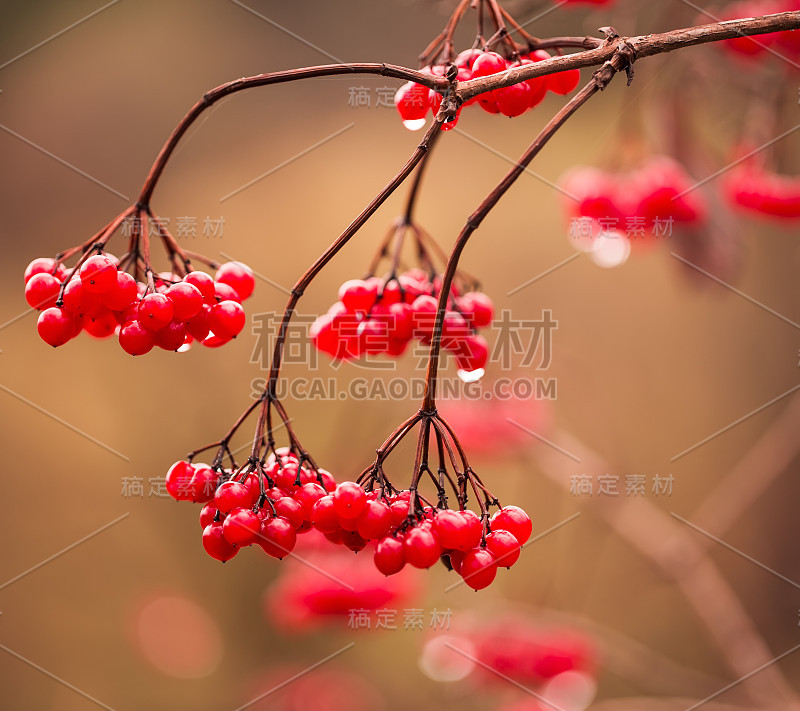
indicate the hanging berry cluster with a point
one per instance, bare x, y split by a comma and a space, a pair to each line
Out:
374, 316
270, 503
489, 56
104, 296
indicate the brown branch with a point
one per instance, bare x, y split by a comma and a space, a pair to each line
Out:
643, 46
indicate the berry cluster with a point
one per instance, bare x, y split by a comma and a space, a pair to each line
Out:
374, 316
757, 189
240, 510
781, 43
354, 517
169, 312
290, 498
413, 101
633, 203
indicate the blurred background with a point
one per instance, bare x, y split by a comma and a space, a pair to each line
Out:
679, 375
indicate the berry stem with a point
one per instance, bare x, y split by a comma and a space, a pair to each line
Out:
270, 397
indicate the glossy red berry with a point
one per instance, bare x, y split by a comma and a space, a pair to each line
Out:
323, 516
231, 495
135, 339
357, 295
187, 301
412, 102
389, 556
375, 520
513, 100
207, 515
204, 283
241, 527
227, 319
172, 336
178, 481
421, 547
514, 520
44, 265
215, 543
155, 311
41, 291
56, 326
478, 568
99, 274
123, 293
278, 537
293, 511
504, 547
349, 500
488, 63
238, 276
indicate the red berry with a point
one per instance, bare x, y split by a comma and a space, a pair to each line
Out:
375, 520
352, 540
349, 500
197, 326
56, 326
135, 339
488, 63
513, 100
187, 300
172, 336
101, 325
514, 520
477, 308
412, 101
293, 511
323, 515
278, 537
155, 311
204, 483
227, 319
45, 265
471, 354
564, 82
231, 495
204, 283
99, 274
389, 557
41, 291
357, 295
78, 301
478, 568
238, 276
457, 530
307, 495
123, 294
223, 292
179, 480
504, 547
207, 515
241, 527
421, 547
424, 311
215, 543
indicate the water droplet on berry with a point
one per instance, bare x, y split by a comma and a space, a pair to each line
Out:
414, 124
471, 376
